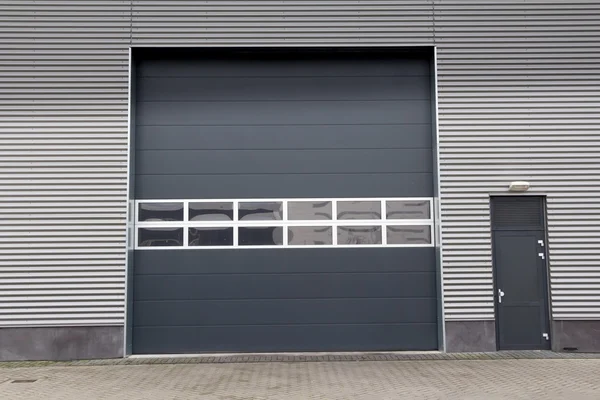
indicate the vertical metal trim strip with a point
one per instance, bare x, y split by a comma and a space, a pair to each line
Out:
285, 228
383, 219
437, 208
131, 212
334, 232
236, 204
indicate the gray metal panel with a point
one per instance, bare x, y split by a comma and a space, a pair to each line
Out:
295, 185
292, 299
518, 100
308, 88
366, 63
278, 311
179, 112
63, 162
263, 137
151, 340
280, 285
318, 161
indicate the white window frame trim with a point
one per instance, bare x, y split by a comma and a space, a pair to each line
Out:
383, 222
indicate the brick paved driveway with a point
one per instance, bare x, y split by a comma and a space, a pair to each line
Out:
569, 379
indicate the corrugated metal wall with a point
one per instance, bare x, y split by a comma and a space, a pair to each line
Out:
63, 161
282, 23
519, 85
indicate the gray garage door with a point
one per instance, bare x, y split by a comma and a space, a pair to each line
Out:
283, 203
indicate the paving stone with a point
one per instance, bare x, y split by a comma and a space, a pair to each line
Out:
446, 378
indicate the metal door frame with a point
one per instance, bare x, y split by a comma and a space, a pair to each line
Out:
546, 270
137, 52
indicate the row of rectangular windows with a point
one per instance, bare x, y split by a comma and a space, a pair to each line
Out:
340, 235
283, 210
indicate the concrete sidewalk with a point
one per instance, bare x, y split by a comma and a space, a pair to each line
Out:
549, 378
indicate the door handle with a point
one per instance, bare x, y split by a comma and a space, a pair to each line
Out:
500, 295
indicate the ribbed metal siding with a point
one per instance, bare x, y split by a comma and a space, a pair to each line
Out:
519, 85
282, 23
63, 161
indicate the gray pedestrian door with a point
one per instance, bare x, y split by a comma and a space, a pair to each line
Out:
520, 270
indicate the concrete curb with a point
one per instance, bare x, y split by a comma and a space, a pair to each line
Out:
307, 357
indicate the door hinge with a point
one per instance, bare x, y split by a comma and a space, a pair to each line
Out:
541, 243
500, 295
546, 336
541, 255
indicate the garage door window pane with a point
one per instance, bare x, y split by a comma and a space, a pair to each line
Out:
309, 210
160, 212
260, 236
260, 211
310, 235
408, 210
158, 237
358, 210
405, 234
359, 235
211, 212
210, 236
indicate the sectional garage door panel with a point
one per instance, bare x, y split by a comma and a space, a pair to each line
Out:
274, 126
284, 88
181, 162
260, 338
276, 112
290, 137
285, 300
296, 185
296, 63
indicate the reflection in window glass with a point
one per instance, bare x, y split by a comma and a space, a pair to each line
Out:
405, 234
309, 210
359, 210
310, 235
260, 236
157, 237
408, 209
211, 212
358, 235
260, 211
210, 236
156, 212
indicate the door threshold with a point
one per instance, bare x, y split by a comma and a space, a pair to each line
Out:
289, 354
